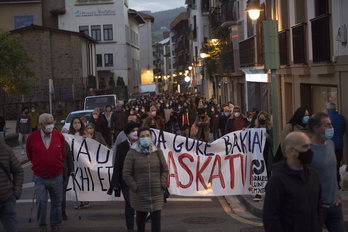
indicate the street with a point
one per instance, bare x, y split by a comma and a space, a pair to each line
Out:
179, 214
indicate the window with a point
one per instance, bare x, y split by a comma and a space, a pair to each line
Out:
108, 32
109, 60
95, 32
99, 60
84, 29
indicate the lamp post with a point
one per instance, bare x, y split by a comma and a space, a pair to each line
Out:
253, 9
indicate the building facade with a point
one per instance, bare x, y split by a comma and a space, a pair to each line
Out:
116, 28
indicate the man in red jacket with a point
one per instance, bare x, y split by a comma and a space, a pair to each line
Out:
46, 151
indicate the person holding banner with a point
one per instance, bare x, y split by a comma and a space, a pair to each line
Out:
202, 121
117, 182
145, 171
293, 193
77, 127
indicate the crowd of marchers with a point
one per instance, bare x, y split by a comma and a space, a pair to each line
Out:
303, 189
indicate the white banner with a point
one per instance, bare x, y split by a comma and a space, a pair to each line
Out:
231, 165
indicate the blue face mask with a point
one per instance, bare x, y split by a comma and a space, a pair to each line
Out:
119, 109
305, 119
329, 133
145, 142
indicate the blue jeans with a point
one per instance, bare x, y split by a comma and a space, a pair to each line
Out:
53, 186
333, 218
65, 185
8, 215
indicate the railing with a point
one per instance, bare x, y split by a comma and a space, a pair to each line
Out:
321, 38
250, 52
299, 43
284, 47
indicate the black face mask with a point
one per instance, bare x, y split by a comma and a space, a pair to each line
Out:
305, 157
262, 121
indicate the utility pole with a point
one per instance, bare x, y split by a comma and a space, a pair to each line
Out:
272, 62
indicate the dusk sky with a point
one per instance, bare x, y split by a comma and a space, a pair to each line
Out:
155, 5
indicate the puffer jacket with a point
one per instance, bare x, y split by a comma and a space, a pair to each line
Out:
14, 168
146, 176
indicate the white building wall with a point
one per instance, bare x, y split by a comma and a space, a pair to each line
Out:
114, 13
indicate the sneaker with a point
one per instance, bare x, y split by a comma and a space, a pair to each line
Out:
257, 197
55, 229
23, 152
64, 217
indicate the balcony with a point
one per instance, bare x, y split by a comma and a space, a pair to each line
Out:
299, 43
227, 11
251, 52
321, 38
214, 18
205, 6
284, 47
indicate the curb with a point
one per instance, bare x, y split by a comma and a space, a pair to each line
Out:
253, 207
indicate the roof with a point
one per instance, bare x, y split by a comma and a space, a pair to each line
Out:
136, 16
36, 27
146, 16
19, 1
178, 19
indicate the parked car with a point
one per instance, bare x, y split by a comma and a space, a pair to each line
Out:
80, 113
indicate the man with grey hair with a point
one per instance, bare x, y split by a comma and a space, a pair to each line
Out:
339, 124
293, 194
324, 162
46, 151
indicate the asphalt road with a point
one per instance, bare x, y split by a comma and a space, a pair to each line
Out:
180, 214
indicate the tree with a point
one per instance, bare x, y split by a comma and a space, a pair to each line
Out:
16, 76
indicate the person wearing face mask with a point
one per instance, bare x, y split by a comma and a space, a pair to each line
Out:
145, 171
117, 182
293, 192
298, 122
34, 118
95, 134
108, 114
324, 162
23, 128
46, 151
100, 122
77, 127
202, 121
263, 121
167, 110
236, 121
159, 120
222, 120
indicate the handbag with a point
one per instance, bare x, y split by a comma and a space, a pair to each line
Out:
166, 194
194, 129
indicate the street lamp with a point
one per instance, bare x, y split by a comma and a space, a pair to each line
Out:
253, 9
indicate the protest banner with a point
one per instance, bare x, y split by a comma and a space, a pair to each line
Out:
231, 165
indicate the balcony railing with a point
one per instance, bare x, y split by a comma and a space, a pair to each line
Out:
321, 38
205, 6
299, 43
284, 47
250, 52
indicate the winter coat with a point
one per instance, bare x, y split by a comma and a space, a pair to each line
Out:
292, 205
339, 124
23, 124
203, 127
146, 176
10, 162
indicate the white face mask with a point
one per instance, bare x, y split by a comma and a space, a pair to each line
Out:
237, 114
77, 126
95, 116
49, 128
133, 135
137, 109
153, 113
